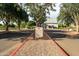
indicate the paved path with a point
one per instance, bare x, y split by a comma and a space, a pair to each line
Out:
6, 45
40, 48
67, 40
9, 39
70, 45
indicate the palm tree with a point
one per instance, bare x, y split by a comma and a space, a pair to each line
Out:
69, 14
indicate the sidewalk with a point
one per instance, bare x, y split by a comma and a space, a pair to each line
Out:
40, 48
70, 45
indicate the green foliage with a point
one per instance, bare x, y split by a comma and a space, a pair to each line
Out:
12, 12
0, 24
12, 25
69, 14
38, 11
31, 24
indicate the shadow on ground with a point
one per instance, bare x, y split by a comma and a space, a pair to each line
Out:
60, 35
11, 35
54, 34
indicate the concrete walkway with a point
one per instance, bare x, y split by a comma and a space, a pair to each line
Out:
40, 48
6, 45
70, 45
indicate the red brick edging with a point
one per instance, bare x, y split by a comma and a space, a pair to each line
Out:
59, 46
13, 52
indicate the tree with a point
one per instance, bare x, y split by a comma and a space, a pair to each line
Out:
5, 13
21, 16
69, 14
38, 11
64, 18
30, 24
10, 11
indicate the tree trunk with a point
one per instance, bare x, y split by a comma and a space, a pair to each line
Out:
19, 23
76, 17
77, 26
38, 24
7, 25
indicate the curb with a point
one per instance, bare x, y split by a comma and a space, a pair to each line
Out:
59, 46
13, 53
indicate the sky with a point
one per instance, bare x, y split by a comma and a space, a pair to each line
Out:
54, 14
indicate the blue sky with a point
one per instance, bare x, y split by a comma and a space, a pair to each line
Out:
54, 14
